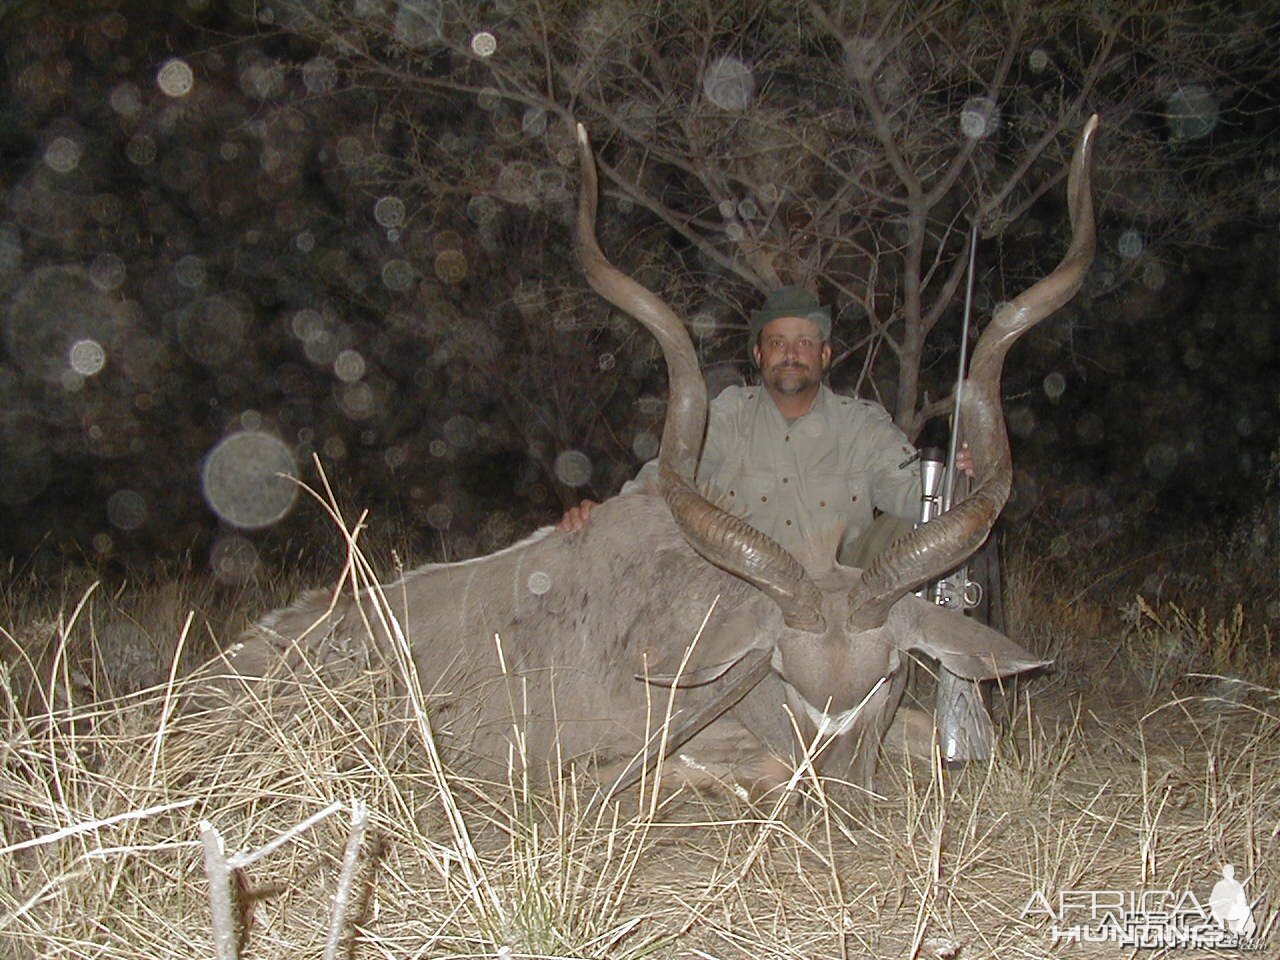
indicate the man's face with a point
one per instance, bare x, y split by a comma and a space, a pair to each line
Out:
791, 355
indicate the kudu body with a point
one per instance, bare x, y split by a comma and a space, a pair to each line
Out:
549, 637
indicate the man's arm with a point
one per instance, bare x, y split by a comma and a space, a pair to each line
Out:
895, 471
646, 481
892, 464
575, 518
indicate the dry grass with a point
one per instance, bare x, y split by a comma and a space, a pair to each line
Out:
1149, 783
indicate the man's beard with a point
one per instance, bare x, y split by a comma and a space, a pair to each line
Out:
791, 378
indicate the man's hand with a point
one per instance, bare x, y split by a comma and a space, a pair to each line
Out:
964, 462
575, 518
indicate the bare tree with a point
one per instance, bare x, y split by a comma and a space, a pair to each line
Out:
848, 146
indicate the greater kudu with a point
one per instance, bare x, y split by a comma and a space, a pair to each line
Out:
550, 636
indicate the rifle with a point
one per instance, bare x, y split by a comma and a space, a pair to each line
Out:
961, 716
954, 591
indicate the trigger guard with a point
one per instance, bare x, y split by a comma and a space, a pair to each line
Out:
972, 594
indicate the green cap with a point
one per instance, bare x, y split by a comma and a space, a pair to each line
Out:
794, 301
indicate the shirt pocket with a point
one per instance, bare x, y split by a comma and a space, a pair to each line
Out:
753, 490
832, 496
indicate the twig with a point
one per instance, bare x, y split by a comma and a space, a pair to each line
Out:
241, 860
220, 906
94, 825
342, 896
167, 709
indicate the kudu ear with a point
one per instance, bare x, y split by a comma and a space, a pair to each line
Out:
723, 642
962, 645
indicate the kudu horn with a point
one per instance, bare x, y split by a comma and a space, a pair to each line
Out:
942, 544
716, 535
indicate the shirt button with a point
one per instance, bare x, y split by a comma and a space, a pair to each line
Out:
787, 438
764, 499
822, 503
784, 479
731, 493
855, 498
788, 523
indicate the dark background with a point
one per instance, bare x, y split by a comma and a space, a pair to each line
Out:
308, 247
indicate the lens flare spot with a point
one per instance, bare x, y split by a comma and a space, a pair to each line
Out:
358, 401
126, 510
645, 446
234, 559
729, 84
451, 266
418, 23
1130, 244
440, 515
319, 75
62, 155
175, 78
335, 448
702, 324
190, 272
141, 150
212, 329
1055, 385
979, 117
126, 99
1153, 276
261, 78
107, 272
397, 275
1022, 422
573, 468
87, 357
389, 211
460, 431
534, 122
482, 209
349, 366
1191, 112
249, 479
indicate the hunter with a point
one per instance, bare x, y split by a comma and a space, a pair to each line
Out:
794, 458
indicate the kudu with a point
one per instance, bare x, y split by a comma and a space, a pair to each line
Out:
553, 636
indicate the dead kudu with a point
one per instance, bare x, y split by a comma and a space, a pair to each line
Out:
550, 637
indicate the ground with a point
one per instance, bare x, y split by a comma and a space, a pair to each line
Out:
1133, 766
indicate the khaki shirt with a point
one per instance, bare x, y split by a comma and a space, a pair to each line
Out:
795, 480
